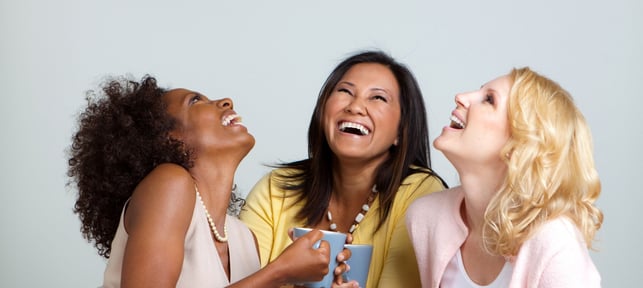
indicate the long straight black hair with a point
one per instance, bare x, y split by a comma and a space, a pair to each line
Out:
313, 180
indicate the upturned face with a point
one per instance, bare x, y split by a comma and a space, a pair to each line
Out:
208, 125
479, 125
362, 114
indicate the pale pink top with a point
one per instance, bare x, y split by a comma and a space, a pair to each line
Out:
201, 264
554, 256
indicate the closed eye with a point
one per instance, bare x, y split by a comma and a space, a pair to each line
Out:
489, 98
344, 90
195, 99
379, 97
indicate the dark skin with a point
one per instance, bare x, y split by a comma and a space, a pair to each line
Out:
161, 207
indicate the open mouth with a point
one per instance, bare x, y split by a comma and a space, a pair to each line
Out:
354, 128
231, 120
456, 123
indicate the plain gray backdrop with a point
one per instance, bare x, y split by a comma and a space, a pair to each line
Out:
272, 57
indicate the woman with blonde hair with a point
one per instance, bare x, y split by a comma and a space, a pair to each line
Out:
524, 214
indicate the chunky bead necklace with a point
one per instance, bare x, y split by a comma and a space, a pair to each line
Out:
212, 226
360, 216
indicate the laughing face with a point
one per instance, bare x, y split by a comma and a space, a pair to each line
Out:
479, 125
362, 114
208, 125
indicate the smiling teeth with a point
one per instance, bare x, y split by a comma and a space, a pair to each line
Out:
345, 125
457, 122
230, 118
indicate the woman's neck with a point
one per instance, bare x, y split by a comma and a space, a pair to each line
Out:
352, 182
479, 189
214, 181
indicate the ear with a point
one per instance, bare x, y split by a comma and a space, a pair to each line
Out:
396, 141
508, 154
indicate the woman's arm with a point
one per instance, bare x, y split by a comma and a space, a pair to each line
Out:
300, 262
555, 256
156, 220
570, 266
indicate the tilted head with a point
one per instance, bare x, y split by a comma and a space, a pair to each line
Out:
412, 130
550, 164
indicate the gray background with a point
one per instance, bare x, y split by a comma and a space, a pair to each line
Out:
272, 57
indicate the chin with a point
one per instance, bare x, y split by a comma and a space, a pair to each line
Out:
249, 144
438, 143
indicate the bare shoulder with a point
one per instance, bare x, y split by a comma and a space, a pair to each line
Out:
166, 180
165, 194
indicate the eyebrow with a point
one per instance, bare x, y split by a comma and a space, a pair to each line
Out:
372, 89
187, 96
381, 89
489, 88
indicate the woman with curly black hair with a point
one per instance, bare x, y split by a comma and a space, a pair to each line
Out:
154, 169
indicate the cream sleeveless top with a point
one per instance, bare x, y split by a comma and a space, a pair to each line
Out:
201, 264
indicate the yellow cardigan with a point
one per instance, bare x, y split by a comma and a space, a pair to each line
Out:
269, 215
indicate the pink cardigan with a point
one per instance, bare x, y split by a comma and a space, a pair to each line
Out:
555, 256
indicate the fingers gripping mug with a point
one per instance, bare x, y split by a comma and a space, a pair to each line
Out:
336, 242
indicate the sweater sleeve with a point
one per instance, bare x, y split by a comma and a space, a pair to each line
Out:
555, 256
400, 267
571, 266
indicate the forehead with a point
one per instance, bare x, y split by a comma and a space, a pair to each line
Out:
501, 85
175, 95
175, 98
372, 73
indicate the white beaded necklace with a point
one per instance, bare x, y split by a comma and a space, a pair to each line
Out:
212, 226
360, 216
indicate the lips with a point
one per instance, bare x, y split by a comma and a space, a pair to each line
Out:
456, 122
231, 119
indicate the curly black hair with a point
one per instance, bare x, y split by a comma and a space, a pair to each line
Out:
122, 135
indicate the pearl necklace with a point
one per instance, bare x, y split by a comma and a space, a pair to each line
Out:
360, 216
212, 226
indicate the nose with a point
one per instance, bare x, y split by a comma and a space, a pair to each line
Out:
462, 100
225, 103
356, 106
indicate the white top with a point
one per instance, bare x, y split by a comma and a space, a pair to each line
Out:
201, 264
456, 276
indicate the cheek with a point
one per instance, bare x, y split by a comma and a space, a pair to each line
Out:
334, 104
326, 124
332, 108
490, 122
496, 133
390, 120
500, 127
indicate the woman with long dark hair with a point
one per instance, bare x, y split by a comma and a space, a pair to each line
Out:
368, 159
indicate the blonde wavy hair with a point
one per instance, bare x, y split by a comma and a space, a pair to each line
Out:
551, 170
